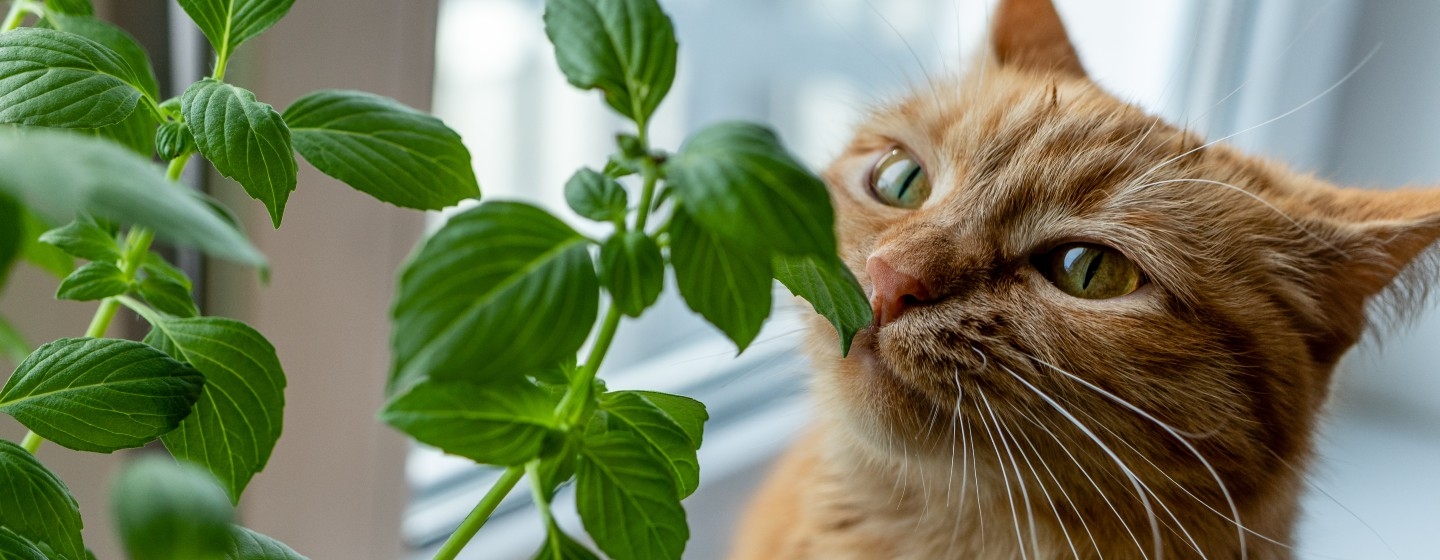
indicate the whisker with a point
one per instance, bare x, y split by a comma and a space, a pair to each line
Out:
1352, 513
1176, 434
1254, 196
1307, 103
1048, 498
1134, 480
1086, 473
956, 433
1014, 512
930, 80
1277, 59
975, 459
1163, 506
1058, 485
1019, 476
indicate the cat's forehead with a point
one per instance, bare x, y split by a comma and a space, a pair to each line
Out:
1017, 151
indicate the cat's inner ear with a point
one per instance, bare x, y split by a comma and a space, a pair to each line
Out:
1029, 35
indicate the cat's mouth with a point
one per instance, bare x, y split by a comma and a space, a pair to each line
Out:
874, 358
865, 348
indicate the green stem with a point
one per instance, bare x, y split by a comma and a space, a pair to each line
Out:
570, 411
16, 16
542, 502
572, 405
651, 173
222, 59
176, 167
480, 514
137, 245
32, 442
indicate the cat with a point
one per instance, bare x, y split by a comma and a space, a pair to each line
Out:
1095, 334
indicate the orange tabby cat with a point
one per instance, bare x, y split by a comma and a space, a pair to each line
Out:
1095, 336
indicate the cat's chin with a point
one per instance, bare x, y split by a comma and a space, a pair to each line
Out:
876, 404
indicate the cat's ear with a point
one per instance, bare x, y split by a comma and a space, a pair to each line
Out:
1029, 35
1371, 237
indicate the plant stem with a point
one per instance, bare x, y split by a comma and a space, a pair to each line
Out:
137, 245
651, 173
572, 405
18, 9
542, 502
480, 514
222, 59
570, 411
32, 442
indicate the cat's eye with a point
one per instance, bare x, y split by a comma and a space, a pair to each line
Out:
1090, 271
898, 180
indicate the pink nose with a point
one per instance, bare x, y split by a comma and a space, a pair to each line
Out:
894, 291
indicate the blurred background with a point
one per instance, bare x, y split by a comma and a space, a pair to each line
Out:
1346, 89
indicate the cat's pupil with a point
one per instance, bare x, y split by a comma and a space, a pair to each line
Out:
1093, 268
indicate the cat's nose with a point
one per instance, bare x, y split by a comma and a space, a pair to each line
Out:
894, 291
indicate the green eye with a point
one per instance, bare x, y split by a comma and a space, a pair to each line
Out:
1091, 271
899, 181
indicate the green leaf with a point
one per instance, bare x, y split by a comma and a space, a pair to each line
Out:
229, 23
156, 266
616, 167
596, 196
245, 139
497, 422
634, 412
383, 148
136, 132
37, 505
625, 48
100, 394
117, 40
632, 270
688, 413
44, 256
557, 463
15, 547
13, 347
55, 79
12, 235
84, 238
500, 290
627, 500
94, 281
168, 296
102, 179
239, 415
740, 183
727, 285
173, 139
73, 7
249, 545
830, 288
559, 546
171, 511
556, 375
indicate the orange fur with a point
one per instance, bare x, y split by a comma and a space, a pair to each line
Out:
991, 420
